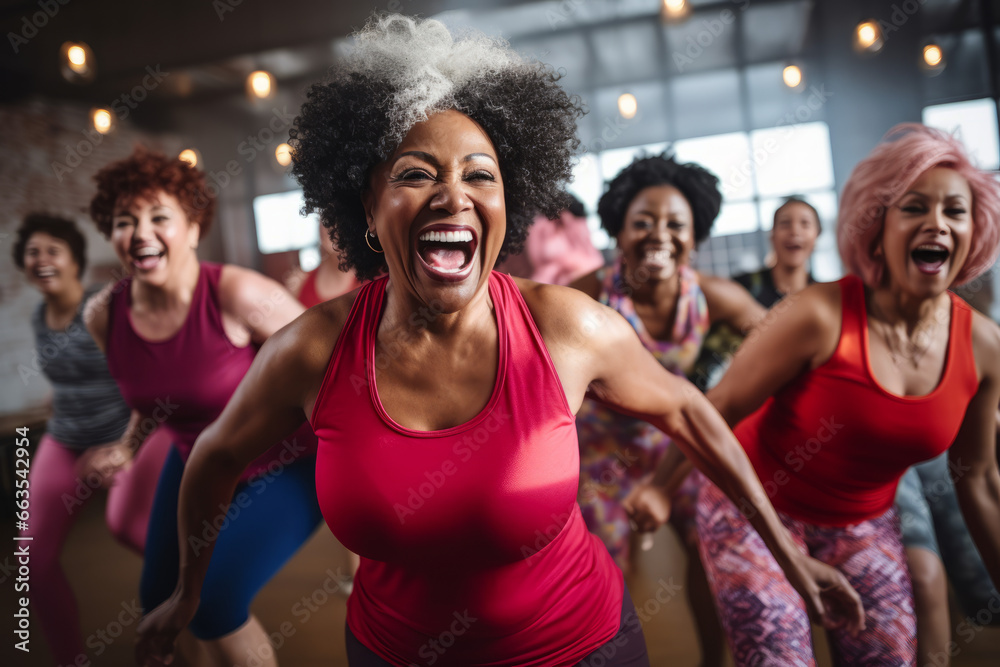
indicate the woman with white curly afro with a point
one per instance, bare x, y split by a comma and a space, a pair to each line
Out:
443, 393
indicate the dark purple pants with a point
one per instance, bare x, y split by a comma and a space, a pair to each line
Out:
625, 649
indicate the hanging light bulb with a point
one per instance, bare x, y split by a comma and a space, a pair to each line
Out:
283, 154
933, 59
76, 58
260, 84
76, 62
627, 105
868, 37
933, 55
102, 120
190, 156
674, 10
792, 76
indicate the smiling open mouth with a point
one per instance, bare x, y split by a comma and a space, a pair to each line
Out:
447, 254
930, 257
146, 258
658, 257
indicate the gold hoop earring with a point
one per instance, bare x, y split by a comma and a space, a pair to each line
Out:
368, 239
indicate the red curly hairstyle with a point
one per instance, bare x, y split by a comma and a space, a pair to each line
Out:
143, 174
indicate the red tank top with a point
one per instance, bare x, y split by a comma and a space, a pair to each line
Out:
471, 533
309, 297
831, 445
186, 380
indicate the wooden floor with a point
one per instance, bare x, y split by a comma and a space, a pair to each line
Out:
308, 623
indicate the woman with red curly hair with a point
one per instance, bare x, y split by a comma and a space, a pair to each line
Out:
180, 334
848, 385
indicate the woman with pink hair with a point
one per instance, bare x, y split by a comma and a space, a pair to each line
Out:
848, 385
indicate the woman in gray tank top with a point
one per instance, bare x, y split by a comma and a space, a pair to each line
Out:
90, 436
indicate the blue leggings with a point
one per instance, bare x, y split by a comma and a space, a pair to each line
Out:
269, 519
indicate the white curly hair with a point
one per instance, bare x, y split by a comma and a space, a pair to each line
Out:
425, 64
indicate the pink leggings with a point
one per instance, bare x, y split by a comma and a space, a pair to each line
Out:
57, 496
766, 620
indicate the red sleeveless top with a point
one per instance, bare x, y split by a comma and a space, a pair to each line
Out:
830, 446
186, 380
471, 533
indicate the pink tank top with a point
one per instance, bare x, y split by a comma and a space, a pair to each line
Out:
473, 531
186, 380
831, 445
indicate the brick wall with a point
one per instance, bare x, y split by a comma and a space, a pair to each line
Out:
48, 163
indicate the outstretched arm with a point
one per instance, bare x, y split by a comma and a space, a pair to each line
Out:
620, 372
798, 334
729, 303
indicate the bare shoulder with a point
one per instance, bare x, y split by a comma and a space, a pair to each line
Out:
568, 316
819, 300
295, 357
95, 314
986, 346
239, 287
589, 284
808, 321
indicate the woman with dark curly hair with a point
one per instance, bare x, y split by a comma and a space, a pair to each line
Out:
850, 384
180, 335
88, 441
657, 210
443, 394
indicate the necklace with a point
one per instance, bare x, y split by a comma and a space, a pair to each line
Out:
912, 348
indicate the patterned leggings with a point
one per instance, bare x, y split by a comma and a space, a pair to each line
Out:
766, 620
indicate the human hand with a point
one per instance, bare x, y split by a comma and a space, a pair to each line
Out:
829, 597
647, 506
158, 630
105, 461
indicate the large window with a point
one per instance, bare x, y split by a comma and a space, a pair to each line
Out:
281, 228
974, 123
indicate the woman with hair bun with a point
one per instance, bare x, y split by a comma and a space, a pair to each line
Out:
793, 238
657, 210
443, 393
92, 438
180, 335
852, 383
